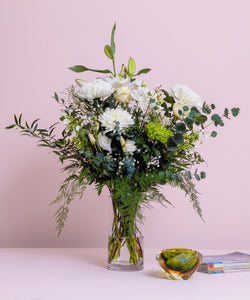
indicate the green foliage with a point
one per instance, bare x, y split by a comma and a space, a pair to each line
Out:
143, 71
189, 122
169, 99
179, 139
235, 111
217, 120
186, 184
213, 133
206, 109
203, 175
71, 188
113, 41
180, 127
79, 69
200, 119
226, 112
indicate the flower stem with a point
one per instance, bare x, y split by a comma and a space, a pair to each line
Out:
114, 67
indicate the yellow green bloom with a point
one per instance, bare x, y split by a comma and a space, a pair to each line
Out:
158, 132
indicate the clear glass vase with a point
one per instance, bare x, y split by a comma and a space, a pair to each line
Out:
125, 243
125, 253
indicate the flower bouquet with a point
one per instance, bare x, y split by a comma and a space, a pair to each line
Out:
120, 134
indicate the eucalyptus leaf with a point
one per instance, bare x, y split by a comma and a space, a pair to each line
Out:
171, 144
200, 119
179, 139
213, 133
180, 127
217, 120
203, 175
197, 177
189, 122
235, 111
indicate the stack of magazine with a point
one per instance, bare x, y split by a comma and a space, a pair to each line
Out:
231, 262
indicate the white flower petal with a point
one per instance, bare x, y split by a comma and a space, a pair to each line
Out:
95, 89
186, 96
129, 147
109, 118
105, 143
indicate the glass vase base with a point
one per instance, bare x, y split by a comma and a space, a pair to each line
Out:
125, 254
124, 268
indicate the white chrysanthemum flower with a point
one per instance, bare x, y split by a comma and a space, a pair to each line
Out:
111, 116
187, 96
129, 147
141, 96
105, 143
95, 89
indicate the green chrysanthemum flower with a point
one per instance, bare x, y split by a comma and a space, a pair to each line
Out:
158, 132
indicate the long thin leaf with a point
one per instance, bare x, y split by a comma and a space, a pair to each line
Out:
143, 71
20, 119
79, 69
33, 123
11, 126
113, 40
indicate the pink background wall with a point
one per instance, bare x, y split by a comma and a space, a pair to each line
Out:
204, 44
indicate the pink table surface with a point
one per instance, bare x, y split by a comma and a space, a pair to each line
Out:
77, 273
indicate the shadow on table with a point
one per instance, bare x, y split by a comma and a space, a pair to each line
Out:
155, 274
